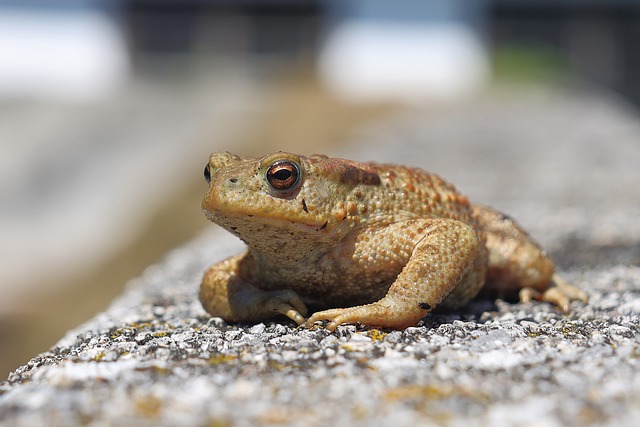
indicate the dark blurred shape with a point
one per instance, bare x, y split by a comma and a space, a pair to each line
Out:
596, 40
224, 26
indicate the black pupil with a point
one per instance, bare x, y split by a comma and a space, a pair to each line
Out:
207, 173
282, 174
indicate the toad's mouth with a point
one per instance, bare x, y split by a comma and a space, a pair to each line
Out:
244, 210
248, 224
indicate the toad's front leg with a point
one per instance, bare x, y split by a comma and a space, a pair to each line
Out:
439, 262
226, 294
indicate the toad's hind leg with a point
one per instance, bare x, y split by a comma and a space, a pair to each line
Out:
518, 266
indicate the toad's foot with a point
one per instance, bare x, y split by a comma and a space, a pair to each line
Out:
285, 302
560, 293
226, 294
378, 314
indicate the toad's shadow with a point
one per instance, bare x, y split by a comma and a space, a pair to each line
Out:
474, 311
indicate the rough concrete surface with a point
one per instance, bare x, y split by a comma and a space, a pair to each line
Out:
564, 164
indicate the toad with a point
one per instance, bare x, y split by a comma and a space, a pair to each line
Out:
376, 244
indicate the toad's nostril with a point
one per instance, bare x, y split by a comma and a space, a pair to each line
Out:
207, 173
233, 180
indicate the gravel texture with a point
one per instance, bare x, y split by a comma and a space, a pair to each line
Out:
566, 165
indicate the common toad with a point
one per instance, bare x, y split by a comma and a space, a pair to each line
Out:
378, 244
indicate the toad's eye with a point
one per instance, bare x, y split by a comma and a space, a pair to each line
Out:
207, 173
283, 175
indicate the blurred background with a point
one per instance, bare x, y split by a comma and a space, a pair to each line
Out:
109, 110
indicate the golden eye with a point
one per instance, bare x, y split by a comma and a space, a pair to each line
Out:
207, 173
283, 175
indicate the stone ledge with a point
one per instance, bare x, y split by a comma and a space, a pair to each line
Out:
155, 358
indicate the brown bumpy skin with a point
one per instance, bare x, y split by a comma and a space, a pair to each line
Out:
380, 245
